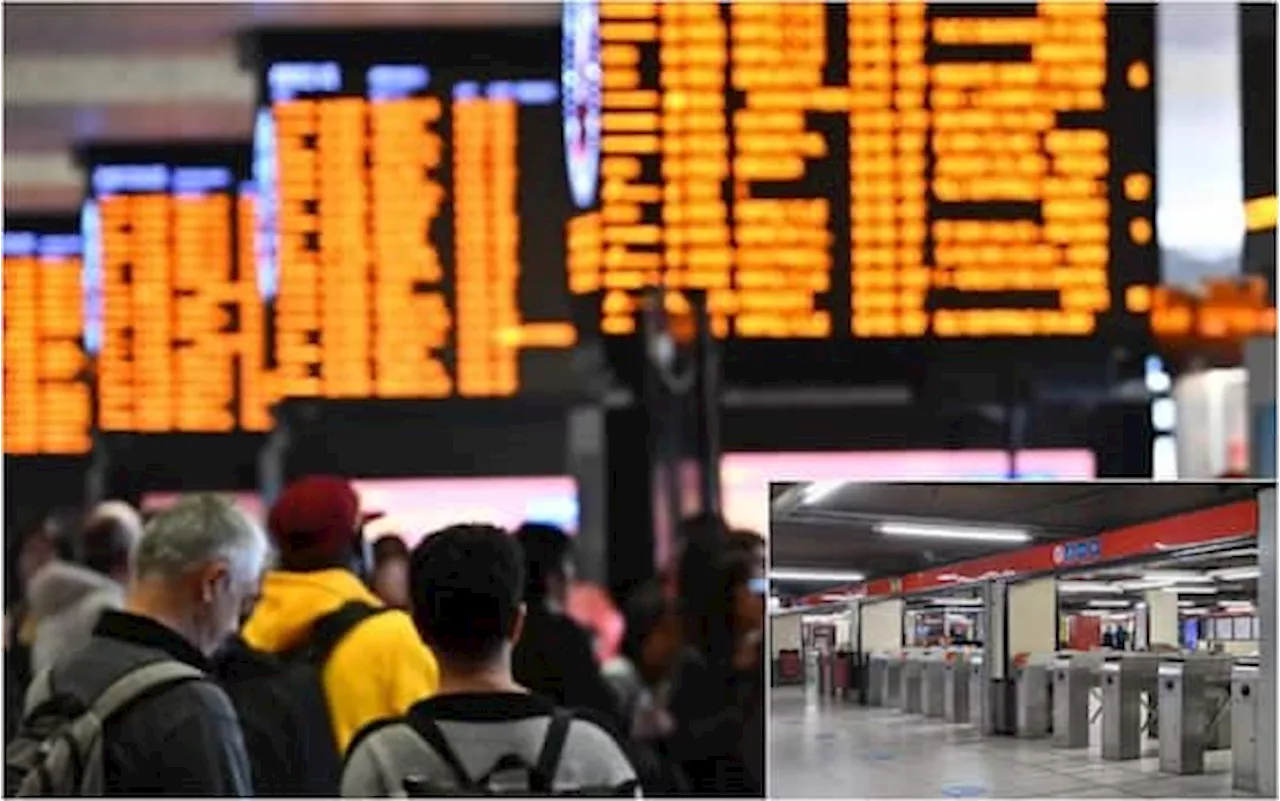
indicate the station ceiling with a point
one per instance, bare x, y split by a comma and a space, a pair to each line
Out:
77, 72
837, 532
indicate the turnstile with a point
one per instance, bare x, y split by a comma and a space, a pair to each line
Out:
910, 693
1126, 679
978, 690
933, 687
1246, 709
1033, 693
891, 693
1195, 710
1074, 677
956, 687
876, 664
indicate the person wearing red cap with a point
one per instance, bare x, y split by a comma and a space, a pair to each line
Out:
381, 668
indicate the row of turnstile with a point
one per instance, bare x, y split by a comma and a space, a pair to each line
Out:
1188, 703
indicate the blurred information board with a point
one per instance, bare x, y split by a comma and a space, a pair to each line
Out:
870, 171
46, 400
412, 212
174, 317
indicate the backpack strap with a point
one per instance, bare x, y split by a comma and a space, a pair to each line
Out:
40, 691
330, 630
134, 684
430, 731
544, 770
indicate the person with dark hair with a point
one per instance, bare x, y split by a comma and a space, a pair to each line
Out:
66, 599
34, 549
379, 667
718, 698
483, 732
554, 656
391, 571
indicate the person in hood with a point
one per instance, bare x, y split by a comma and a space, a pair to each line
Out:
68, 598
381, 668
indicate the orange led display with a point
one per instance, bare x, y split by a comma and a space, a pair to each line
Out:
962, 176
180, 315
46, 401
400, 225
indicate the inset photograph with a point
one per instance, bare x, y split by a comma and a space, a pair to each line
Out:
1033, 640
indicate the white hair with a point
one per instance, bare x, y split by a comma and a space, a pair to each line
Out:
199, 529
124, 514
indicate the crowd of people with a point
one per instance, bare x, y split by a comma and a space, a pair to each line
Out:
204, 654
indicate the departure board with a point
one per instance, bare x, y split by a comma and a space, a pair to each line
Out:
411, 213
895, 172
46, 398
176, 319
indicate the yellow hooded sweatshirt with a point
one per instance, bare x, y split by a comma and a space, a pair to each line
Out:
379, 670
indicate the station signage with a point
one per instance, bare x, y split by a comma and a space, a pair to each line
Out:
1073, 553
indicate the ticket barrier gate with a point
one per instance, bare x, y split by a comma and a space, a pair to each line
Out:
1126, 679
910, 693
1195, 710
876, 666
956, 688
1075, 678
978, 689
933, 687
1246, 710
1034, 696
891, 686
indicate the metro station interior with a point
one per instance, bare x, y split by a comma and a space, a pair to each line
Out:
988, 640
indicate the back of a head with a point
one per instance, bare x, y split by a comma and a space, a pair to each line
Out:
108, 538
315, 524
546, 550
195, 531
466, 583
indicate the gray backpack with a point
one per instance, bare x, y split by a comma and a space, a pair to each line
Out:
58, 749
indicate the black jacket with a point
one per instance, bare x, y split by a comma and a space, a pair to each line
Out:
184, 740
554, 659
719, 737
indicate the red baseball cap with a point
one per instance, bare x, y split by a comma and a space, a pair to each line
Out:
317, 513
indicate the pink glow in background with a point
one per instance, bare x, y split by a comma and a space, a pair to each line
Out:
416, 506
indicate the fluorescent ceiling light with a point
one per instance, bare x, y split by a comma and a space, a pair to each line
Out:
1191, 590
1237, 573
1236, 604
956, 601
819, 491
972, 534
1110, 604
1177, 576
1088, 587
815, 575
1186, 604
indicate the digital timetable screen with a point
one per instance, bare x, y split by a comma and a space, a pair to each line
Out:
46, 401
175, 320
411, 215
894, 172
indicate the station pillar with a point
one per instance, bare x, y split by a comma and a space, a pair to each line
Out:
1162, 618
1267, 642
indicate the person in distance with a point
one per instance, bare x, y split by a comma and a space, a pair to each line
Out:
482, 733
391, 571
133, 713
68, 598
555, 656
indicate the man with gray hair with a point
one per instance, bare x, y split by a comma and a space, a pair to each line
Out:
196, 570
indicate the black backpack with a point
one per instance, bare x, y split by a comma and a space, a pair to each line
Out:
283, 709
538, 779
57, 752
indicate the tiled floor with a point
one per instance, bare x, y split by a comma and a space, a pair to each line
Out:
838, 750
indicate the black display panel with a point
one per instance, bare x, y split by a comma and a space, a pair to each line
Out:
47, 404
863, 188
175, 322
412, 208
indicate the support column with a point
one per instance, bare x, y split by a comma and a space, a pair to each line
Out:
1162, 618
996, 702
1260, 365
1267, 644
1033, 617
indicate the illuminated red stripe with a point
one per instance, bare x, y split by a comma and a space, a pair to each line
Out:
1204, 526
